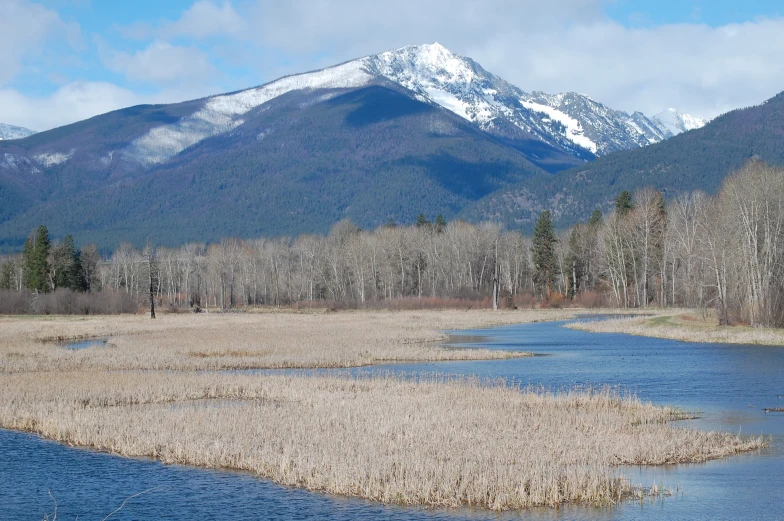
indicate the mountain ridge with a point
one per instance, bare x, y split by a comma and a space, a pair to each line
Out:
575, 123
695, 160
8, 132
104, 177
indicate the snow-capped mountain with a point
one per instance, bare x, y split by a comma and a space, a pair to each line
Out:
568, 119
12, 132
572, 122
675, 122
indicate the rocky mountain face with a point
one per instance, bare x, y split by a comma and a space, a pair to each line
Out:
569, 120
12, 132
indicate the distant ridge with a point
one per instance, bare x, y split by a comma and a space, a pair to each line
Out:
12, 132
695, 160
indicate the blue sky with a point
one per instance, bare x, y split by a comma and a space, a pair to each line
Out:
710, 12
66, 60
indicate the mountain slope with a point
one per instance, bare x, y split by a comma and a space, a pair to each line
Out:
572, 121
12, 132
295, 165
696, 160
438, 133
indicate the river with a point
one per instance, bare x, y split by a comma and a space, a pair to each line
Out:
728, 385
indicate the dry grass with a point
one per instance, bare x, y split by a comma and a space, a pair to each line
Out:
432, 442
246, 341
685, 326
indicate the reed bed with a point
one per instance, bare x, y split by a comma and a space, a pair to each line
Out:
685, 328
246, 341
429, 441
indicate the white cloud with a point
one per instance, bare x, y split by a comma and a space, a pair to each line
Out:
554, 46
699, 69
80, 100
559, 45
25, 28
204, 19
161, 62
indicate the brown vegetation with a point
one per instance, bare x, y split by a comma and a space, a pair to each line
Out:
686, 327
431, 440
434, 442
244, 341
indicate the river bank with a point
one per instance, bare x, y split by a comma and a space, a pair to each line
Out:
684, 326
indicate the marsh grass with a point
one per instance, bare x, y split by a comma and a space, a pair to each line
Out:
248, 341
685, 326
432, 441
424, 439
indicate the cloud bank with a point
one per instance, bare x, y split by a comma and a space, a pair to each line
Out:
554, 46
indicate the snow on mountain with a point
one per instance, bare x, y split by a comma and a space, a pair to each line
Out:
222, 113
12, 132
651, 130
675, 122
570, 121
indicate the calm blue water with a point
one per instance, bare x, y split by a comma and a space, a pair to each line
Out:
729, 385
84, 344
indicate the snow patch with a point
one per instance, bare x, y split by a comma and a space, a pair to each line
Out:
448, 101
49, 159
220, 113
107, 159
12, 132
574, 131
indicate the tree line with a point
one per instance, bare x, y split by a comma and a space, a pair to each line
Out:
44, 267
723, 251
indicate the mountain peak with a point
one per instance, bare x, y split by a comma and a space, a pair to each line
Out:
12, 132
572, 123
676, 122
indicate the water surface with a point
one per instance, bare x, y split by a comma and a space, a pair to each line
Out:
728, 384
84, 344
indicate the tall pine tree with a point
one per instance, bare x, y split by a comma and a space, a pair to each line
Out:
66, 266
36, 260
574, 263
543, 249
7, 275
623, 203
440, 223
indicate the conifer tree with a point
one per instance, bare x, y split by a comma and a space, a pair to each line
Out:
440, 223
623, 203
596, 218
543, 249
36, 260
75, 278
574, 263
7, 275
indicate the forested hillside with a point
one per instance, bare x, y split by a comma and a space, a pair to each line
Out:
696, 251
695, 160
384, 137
298, 164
